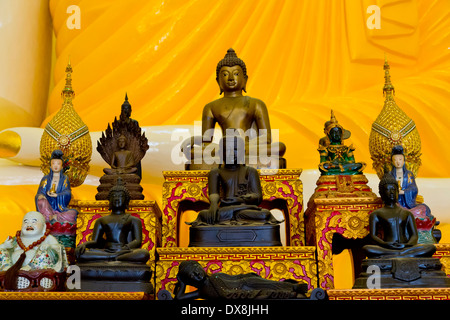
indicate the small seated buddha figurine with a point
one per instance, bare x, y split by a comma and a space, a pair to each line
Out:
52, 200
408, 192
122, 146
224, 286
393, 229
234, 111
115, 237
234, 190
33, 248
335, 157
122, 161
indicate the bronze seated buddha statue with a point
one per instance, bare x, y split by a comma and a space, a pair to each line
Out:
123, 146
114, 252
396, 225
234, 113
235, 194
394, 249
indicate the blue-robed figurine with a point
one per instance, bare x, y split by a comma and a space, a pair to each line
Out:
408, 192
52, 200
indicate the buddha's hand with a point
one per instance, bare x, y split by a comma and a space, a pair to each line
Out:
79, 250
211, 216
247, 197
232, 200
125, 248
397, 245
8, 244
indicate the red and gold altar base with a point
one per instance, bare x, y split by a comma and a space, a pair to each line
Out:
274, 263
390, 294
146, 210
188, 190
340, 204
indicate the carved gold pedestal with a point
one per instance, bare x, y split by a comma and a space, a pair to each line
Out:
443, 253
274, 263
188, 190
390, 294
340, 204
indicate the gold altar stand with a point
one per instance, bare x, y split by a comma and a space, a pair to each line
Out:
443, 253
390, 294
187, 190
341, 206
274, 263
282, 189
147, 211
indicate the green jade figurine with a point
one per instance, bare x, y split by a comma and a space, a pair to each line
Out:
335, 157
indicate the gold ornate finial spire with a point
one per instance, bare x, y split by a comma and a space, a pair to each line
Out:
67, 93
334, 123
393, 127
388, 89
67, 132
333, 117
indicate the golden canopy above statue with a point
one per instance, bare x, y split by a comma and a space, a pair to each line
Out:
68, 133
393, 127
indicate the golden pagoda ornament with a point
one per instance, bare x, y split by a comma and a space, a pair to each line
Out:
68, 133
393, 127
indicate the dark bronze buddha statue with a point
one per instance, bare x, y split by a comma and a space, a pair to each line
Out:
396, 225
395, 259
122, 161
234, 217
224, 286
115, 237
235, 112
234, 190
122, 146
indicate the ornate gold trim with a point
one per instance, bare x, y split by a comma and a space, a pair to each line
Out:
390, 294
347, 200
204, 173
443, 247
105, 203
166, 251
73, 296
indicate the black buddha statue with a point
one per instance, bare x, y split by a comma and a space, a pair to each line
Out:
401, 262
224, 286
235, 194
397, 226
125, 117
117, 236
113, 259
122, 146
